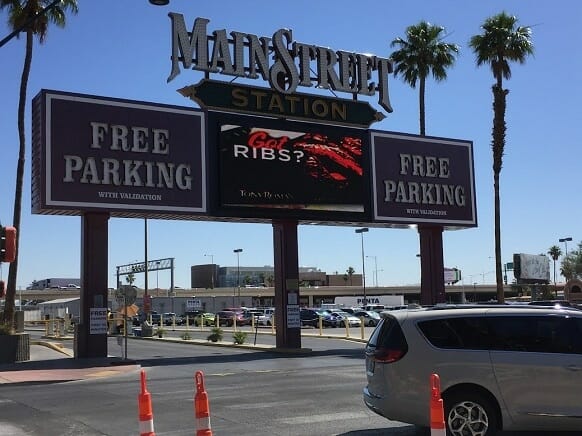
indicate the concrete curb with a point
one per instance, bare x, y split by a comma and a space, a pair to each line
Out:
57, 346
257, 347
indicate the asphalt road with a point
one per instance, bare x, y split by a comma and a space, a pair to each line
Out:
250, 393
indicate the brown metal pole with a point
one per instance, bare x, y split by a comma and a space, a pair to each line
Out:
286, 283
94, 289
432, 285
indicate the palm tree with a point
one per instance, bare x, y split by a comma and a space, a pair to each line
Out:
555, 254
502, 41
421, 53
33, 18
572, 264
130, 278
350, 272
270, 280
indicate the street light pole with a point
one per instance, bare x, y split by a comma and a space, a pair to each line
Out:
212, 263
145, 222
361, 231
375, 269
565, 241
238, 251
158, 275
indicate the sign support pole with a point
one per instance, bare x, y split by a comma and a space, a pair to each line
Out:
432, 270
94, 290
286, 282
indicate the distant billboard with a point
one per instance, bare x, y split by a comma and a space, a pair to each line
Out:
531, 268
452, 275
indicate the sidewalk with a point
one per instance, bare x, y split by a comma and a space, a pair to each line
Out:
52, 362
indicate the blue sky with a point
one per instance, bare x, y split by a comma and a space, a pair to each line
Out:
121, 49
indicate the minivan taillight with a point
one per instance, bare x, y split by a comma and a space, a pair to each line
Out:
388, 355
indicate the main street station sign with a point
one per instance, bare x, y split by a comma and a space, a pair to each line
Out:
231, 97
280, 60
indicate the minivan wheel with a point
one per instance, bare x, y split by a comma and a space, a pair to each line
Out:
470, 414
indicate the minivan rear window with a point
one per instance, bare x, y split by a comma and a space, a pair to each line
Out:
388, 334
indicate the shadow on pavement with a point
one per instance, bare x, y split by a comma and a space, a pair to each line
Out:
246, 357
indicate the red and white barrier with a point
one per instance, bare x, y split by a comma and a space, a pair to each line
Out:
437, 412
146, 415
201, 407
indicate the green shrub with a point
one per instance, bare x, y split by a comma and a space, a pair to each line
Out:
161, 332
216, 334
6, 329
186, 336
239, 337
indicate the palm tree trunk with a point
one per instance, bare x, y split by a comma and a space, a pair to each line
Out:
421, 106
498, 273
12, 272
498, 146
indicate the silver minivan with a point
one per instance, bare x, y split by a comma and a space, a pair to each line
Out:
501, 368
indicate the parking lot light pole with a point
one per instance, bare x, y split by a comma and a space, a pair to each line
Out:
212, 263
361, 231
565, 241
238, 251
375, 269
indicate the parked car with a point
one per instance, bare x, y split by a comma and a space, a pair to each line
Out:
310, 317
170, 318
155, 318
370, 317
376, 307
226, 317
504, 367
251, 313
564, 303
341, 319
350, 310
208, 318
266, 318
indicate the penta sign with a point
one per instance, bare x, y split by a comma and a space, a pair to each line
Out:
283, 62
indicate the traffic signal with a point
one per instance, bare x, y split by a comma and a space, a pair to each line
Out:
7, 244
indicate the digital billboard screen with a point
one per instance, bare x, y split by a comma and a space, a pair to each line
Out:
295, 166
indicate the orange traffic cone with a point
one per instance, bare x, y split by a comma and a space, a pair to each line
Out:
146, 416
201, 408
437, 413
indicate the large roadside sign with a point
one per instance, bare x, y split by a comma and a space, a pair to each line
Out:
129, 158
420, 179
268, 168
193, 304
